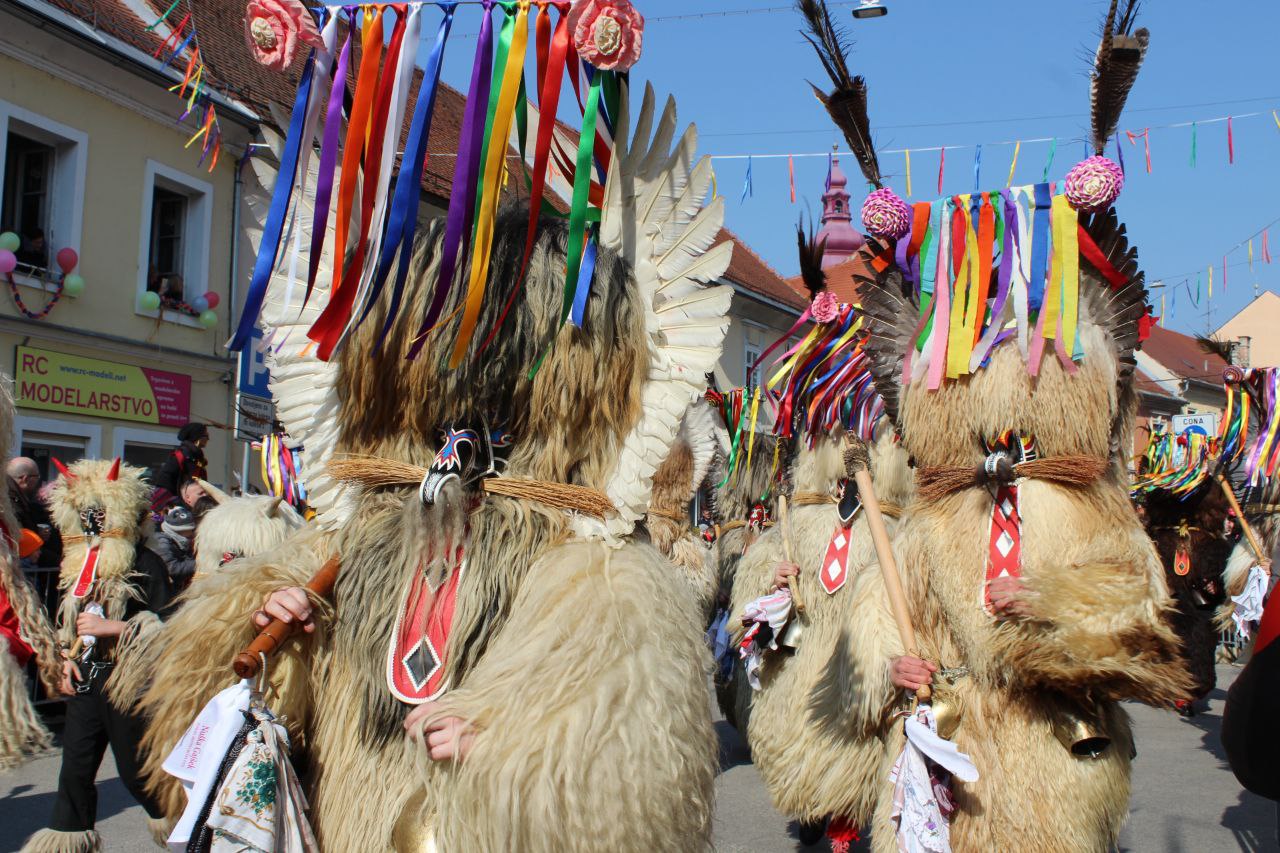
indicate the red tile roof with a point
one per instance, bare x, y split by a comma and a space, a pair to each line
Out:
1183, 356
754, 273
839, 281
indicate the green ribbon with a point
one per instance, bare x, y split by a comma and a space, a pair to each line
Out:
1193, 144
167, 12
1053, 149
737, 440
578, 209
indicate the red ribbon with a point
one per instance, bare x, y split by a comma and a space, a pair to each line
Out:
1094, 255
942, 165
1231, 147
986, 248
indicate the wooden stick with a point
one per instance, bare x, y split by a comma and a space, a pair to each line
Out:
888, 568
270, 638
784, 522
1244, 522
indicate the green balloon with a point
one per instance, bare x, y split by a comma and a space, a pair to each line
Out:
209, 318
150, 301
73, 285
10, 241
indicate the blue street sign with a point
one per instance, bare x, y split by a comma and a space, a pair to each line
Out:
252, 377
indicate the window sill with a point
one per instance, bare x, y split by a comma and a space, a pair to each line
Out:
35, 283
168, 316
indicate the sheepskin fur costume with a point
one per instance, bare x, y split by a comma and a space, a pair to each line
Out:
1194, 523
21, 731
816, 725
1098, 632
580, 666
234, 529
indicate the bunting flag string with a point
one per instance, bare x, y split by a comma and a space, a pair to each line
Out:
193, 90
907, 159
977, 169
791, 178
942, 167
1014, 164
1231, 147
747, 189
1193, 144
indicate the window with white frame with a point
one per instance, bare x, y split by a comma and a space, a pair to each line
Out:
173, 257
43, 188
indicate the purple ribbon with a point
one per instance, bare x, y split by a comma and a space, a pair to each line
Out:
329, 159
1005, 277
462, 203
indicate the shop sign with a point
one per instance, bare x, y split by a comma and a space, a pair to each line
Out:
58, 382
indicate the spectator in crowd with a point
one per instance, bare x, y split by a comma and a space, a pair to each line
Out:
32, 511
203, 505
186, 461
191, 492
173, 544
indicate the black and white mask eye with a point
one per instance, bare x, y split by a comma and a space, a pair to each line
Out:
93, 520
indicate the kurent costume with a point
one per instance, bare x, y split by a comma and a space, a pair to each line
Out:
817, 722
1250, 434
980, 339
235, 528
101, 509
1186, 512
481, 501
25, 631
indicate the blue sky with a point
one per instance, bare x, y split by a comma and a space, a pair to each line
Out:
959, 74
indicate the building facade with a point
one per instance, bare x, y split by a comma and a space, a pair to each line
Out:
95, 163
1256, 332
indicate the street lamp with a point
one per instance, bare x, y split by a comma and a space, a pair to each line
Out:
870, 9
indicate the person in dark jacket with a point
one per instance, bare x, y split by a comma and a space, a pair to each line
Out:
1250, 735
31, 510
173, 544
186, 461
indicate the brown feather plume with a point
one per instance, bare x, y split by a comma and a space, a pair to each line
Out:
847, 102
811, 250
1115, 69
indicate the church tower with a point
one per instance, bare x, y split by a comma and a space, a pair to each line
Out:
837, 220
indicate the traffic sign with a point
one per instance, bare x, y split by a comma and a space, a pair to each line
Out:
1204, 423
252, 377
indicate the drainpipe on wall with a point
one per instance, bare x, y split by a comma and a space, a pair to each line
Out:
233, 301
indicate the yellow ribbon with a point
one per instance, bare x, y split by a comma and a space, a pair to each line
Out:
1017, 146
908, 156
959, 332
755, 408
500, 132
1069, 239
1061, 213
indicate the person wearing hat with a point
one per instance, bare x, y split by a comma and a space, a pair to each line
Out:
186, 461
173, 543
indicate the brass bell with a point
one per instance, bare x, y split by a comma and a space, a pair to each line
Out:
948, 708
411, 833
793, 632
1080, 731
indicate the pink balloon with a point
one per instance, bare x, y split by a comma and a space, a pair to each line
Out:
212, 298
8, 260
67, 259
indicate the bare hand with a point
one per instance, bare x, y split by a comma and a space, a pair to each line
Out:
70, 675
446, 738
783, 574
911, 673
1009, 597
92, 625
289, 605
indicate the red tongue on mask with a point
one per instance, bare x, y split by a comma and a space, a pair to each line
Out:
88, 574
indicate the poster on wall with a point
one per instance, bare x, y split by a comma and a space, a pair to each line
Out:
59, 382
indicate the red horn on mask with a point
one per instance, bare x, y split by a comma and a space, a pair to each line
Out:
62, 469
114, 473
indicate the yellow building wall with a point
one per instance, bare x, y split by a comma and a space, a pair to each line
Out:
120, 143
1260, 321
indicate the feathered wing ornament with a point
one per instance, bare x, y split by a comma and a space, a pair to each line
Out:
656, 217
811, 251
1115, 69
304, 387
847, 102
700, 431
892, 315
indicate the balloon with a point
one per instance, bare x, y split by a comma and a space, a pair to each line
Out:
10, 242
67, 259
73, 285
208, 318
149, 301
213, 299
200, 304
7, 261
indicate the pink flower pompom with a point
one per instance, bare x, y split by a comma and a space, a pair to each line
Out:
1094, 184
825, 307
885, 215
273, 29
607, 33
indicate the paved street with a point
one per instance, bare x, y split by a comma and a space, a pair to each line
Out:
1184, 798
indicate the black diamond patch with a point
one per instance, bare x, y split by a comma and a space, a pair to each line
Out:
421, 663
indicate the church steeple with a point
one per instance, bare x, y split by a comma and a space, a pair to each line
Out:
842, 240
